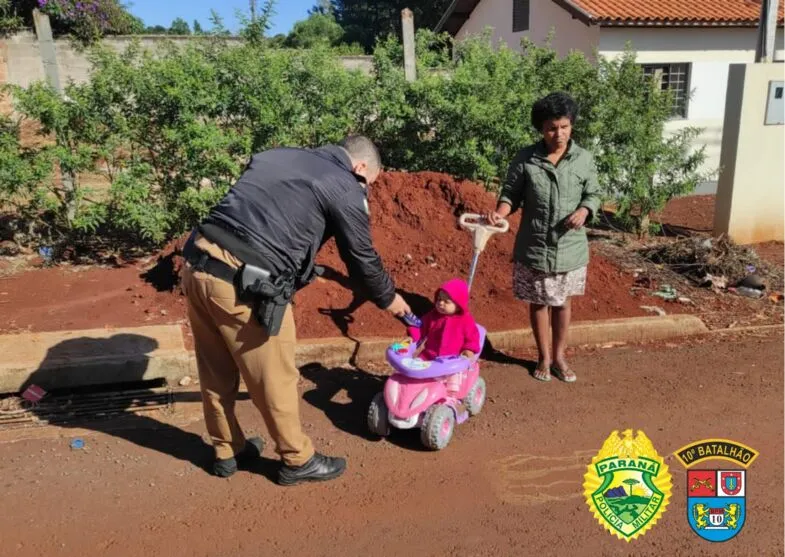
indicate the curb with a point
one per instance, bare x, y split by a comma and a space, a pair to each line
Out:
627, 330
67, 359
101, 356
750, 329
338, 351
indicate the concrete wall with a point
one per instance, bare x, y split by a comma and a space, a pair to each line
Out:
751, 190
23, 57
545, 16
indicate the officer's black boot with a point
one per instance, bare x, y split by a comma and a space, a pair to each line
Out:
228, 466
320, 468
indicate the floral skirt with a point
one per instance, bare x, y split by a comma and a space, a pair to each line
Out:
547, 289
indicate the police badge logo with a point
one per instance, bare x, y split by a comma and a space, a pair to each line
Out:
716, 499
627, 485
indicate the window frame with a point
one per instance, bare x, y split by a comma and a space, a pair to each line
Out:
524, 7
681, 108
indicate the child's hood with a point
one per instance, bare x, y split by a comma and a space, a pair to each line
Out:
458, 291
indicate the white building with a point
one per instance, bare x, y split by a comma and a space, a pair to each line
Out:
692, 42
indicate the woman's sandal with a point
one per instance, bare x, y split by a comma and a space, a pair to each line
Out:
566, 375
543, 371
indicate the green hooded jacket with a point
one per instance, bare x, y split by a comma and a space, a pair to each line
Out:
549, 194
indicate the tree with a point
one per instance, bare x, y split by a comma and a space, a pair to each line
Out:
179, 27
10, 21
318, 29
257, 22
218, 28
277, 41
156, 30
363, 22
86, 20
323, 7
198, 28
630, 482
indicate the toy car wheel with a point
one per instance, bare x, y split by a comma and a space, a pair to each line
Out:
438, 427
377, 416
475, 398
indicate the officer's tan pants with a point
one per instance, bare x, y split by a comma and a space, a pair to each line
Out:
230, 343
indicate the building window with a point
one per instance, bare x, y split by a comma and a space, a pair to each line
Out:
676, 79
520, 15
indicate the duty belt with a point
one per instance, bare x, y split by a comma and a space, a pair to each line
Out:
203, 262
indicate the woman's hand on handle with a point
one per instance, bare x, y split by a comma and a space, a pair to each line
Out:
495, 217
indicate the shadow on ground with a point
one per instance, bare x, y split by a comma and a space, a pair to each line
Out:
140, 429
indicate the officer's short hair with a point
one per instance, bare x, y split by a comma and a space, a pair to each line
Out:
361, 148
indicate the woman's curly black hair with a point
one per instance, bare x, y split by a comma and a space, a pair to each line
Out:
553, 107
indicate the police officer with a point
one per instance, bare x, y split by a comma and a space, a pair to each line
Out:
245, 260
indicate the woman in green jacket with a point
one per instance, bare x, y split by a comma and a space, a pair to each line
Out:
554, 182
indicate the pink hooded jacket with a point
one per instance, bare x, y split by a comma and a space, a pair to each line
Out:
448, 335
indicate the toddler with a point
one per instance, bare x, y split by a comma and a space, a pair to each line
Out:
448, 329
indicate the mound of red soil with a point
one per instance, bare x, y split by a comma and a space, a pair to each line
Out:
414, 224
414, 219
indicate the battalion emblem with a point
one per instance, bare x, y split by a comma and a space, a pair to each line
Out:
627, 485
716, 499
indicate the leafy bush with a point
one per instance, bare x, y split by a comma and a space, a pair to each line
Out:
23, 172
170, 131
88, 20
10, 20
640, 168
472, 115
45, 179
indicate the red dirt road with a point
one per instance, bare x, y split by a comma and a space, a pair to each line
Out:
508, 484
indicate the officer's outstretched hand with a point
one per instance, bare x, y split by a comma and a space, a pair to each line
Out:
399, 307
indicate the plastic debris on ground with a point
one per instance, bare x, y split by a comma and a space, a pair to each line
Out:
666, 292
753, 280
77, 444
654, 309
714, 282
46, 253
747, 292
33, 394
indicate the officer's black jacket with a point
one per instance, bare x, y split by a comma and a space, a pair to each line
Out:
287, 204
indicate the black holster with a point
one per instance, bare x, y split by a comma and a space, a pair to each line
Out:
268, 298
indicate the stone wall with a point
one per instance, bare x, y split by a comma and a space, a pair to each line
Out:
20, 57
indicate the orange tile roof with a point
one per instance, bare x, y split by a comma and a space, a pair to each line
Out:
672, 12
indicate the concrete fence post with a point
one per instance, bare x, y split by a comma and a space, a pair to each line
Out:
409, 58
46, 43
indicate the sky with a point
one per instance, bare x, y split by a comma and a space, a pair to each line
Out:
162, 12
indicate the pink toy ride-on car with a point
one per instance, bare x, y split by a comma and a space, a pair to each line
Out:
416, 395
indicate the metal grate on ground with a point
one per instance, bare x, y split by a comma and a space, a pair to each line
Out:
82, 407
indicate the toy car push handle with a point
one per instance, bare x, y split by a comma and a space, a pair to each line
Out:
481, 232
480, 229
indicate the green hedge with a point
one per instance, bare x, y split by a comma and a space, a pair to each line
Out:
171, 131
